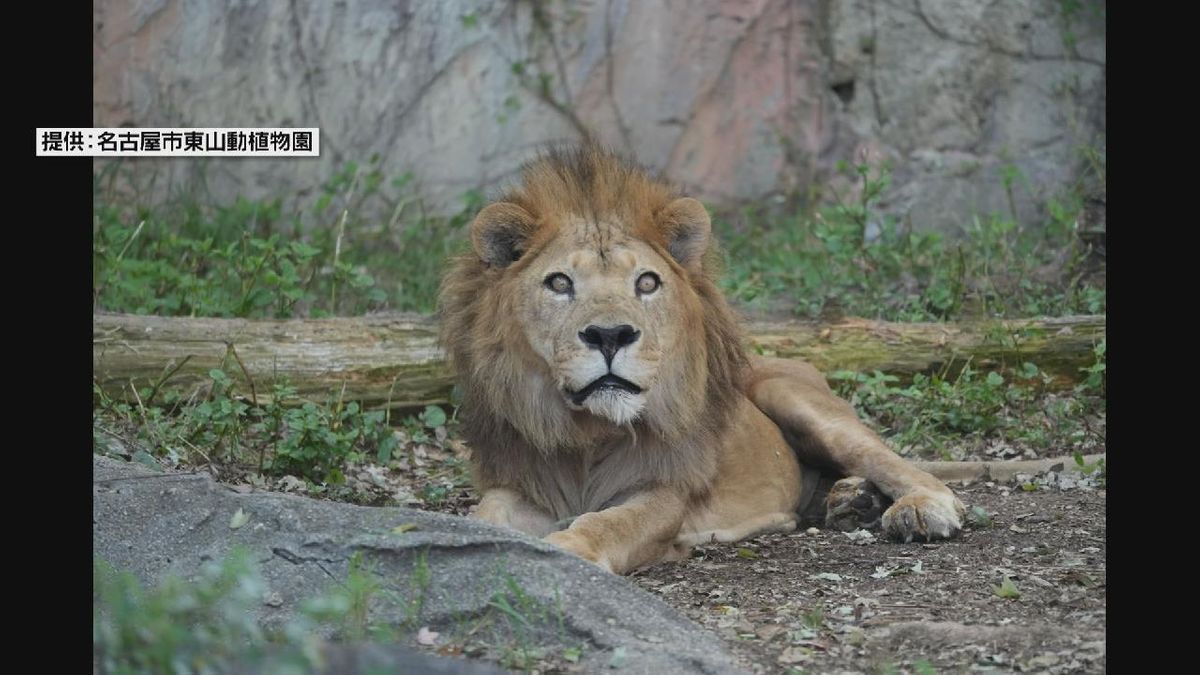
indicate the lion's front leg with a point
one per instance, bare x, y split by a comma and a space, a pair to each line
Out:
507, 508
825, 431
640, 531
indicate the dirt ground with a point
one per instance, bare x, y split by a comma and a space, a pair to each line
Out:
1023, 589
823, 601
828, 602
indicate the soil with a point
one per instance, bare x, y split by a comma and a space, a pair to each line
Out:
825, 601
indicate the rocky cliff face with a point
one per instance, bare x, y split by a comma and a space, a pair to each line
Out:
977, 106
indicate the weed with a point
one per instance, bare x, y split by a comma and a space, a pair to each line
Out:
205, 625
814, 618
1009, 410
849, 258
282, 435
418, 586
517, 623
362, 585
250, 259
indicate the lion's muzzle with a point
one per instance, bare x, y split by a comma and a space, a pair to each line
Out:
608, 381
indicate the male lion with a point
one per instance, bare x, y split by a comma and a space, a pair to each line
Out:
606, 386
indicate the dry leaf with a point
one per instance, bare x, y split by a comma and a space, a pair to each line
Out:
427, 637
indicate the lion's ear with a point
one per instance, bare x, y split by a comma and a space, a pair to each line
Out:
500, 232
688, 230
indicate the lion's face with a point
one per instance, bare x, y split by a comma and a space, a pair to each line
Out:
585, 305
604, 311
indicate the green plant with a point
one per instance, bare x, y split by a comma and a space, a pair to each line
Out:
249, 259
1097, 467
923, 668
851, 258
934, 413
517, 624
1097, 376
205, 625
281, 435
1007, 590
361, 587
814, 618
418, 586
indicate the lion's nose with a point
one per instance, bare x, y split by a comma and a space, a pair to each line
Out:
609, 340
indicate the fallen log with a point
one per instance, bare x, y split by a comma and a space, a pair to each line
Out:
394, 361
1003, 471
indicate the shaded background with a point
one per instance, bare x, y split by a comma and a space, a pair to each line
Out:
977, 107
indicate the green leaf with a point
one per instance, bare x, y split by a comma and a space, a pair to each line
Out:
1007, 589
746, 553
979, 516
239, 519
406, 527
146, 459
995, 379
924, 668
618, 658
433, 416
385, 449
572, 654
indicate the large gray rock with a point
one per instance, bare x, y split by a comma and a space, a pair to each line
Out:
155, 525
737, 100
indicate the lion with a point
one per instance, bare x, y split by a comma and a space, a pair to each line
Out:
607, 395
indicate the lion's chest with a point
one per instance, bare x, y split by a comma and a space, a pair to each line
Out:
587, 481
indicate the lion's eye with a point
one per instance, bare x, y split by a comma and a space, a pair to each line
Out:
648, 283
559, 283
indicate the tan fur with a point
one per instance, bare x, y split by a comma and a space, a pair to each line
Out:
704, 443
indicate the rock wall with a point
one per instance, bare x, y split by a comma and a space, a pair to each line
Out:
738, 100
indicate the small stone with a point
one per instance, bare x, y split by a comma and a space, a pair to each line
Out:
1043, 661
795, 655
768, 632
860, 536
812, 532
856, 638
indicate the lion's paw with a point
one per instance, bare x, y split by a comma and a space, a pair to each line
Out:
854, 503
573, 543
924, 516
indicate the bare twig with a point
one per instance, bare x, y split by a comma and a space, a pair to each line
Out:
164, 378
133, 236
250, 380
